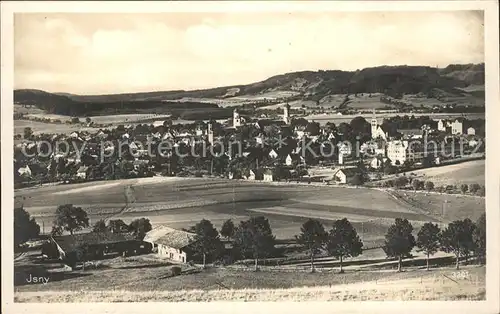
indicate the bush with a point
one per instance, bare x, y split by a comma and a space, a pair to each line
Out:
175, 270
464, 188
474, 187
429, 185
481, 191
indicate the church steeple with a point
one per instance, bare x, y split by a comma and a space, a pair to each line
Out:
374, 124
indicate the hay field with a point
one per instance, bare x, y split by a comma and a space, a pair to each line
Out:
225, 285
462, 173
182, 202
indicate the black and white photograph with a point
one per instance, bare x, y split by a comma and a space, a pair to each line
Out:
250, 152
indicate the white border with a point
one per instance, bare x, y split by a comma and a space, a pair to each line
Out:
492, 168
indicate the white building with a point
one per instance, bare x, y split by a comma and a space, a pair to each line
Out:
171, 243
273, 154
210, 133
457, 126
443, 125
269, 175
397, 151
24, 171
346, 175
236, 119
471, 131
377, 130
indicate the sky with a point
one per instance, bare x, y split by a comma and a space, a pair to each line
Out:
103, 53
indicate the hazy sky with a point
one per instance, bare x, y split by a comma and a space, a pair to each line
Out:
116, 53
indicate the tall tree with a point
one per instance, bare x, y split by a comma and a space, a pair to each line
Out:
399, 240
254, 238
207, 241
227, 229
457, 238
312, 237
25, 226
71, 218
99, 226
139, 227
479, 237
343, 241
428, 239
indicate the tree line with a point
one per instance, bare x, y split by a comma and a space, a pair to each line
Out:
254, 239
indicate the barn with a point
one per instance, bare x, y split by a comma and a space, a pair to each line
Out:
93, 246
171, 243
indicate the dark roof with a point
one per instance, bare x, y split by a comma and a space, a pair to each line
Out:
71, 242
410, 131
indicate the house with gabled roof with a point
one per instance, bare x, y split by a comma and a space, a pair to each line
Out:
171, 243
346, 175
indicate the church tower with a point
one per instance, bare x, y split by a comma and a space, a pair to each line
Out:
210, 133
286, 114
236, 119
374, 124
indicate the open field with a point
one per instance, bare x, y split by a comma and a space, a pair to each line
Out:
448, 207
182, 202
151, 284
324, 118
462, 173
42, 127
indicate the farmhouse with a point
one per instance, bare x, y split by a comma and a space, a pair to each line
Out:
171, 243
94, 245
346, 175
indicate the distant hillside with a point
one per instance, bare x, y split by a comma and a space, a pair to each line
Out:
394, 81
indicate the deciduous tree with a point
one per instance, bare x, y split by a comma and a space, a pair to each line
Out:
227, 229
71, 218
25, 226
207, 241
139, 227
399, 240
479, 237
457, 238
117, 226
312, 237
343, 241
99, 226
254, 238
428, 239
